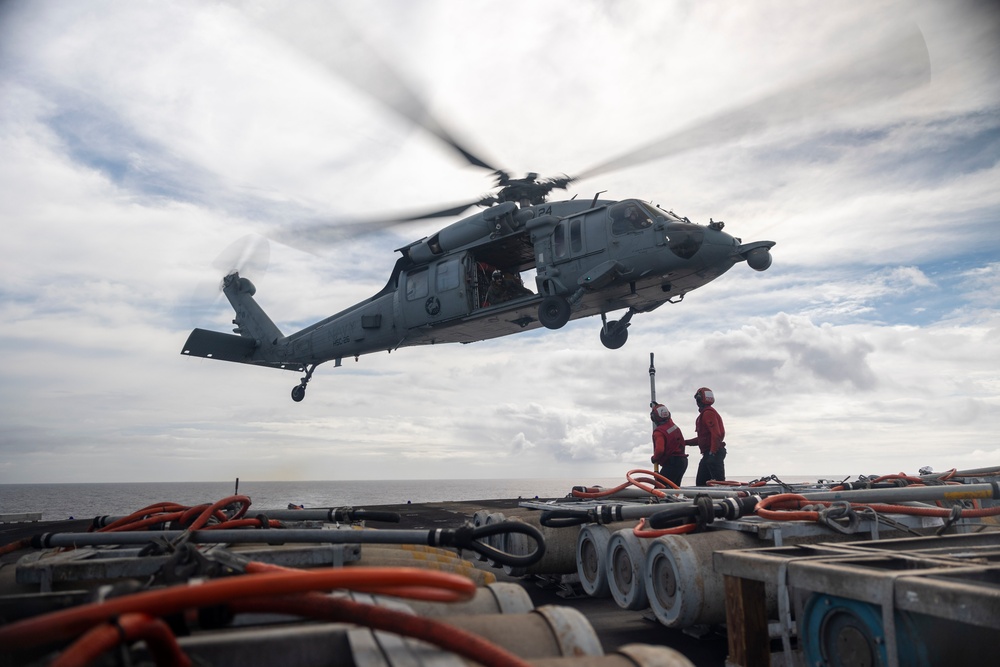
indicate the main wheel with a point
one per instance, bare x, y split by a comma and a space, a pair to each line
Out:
614, 335
298, 392
553, 312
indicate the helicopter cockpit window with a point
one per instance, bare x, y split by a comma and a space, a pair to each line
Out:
684, 239
447, 275
629, 216
416, 285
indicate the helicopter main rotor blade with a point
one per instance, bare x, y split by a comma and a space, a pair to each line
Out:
310, 237
443, 213
331, 41
894, 68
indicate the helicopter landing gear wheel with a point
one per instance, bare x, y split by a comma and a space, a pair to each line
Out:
614, 334
299, 390
553, 312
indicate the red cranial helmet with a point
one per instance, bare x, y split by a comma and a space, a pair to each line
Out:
704, 396
659, 414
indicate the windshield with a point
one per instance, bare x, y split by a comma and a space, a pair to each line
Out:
630, 216
669, 215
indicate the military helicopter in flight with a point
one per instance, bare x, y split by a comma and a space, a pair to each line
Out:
590, 256
462, 284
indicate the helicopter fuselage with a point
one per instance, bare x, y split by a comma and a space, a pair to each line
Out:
463, 284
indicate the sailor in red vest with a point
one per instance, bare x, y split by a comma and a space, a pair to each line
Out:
710, 439
668, 445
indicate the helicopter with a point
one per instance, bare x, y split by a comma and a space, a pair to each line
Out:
463, 284
590, 257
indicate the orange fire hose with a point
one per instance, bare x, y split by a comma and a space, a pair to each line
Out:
657, 477
138, 515
209, 511
448, 637
16, 545
443, 635
194, 518
641, 531
163, 646
128, 628
136, 613
400, 582
603, 493
656, 483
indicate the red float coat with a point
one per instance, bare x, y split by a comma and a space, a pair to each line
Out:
667, 442
711, 430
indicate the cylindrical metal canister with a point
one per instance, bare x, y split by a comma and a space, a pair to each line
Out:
591, 553
495, 598
630, 655
548, 631
681, 584
560, 548
399, 558
625, 561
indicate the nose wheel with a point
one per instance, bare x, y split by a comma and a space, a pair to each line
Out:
299, 390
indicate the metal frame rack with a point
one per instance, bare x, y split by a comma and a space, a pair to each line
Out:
899, 601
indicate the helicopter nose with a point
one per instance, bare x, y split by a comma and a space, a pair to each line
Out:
718, 251
717, 241
704, 245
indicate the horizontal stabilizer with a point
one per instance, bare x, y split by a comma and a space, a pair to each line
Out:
228, 347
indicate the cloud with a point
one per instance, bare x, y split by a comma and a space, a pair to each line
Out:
790, 351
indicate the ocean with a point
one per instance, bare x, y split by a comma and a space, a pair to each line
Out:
64, 501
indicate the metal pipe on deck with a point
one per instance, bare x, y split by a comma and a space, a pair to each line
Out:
910, 493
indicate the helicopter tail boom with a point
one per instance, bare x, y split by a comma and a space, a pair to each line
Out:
257, 333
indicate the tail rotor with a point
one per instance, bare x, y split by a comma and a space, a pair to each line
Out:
249, 256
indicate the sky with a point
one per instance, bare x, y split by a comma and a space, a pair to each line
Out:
139, 140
